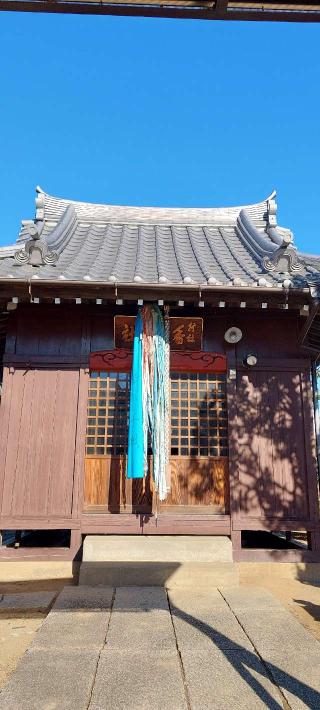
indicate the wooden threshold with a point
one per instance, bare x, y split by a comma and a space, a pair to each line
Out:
41, 523
163, 524
175, 510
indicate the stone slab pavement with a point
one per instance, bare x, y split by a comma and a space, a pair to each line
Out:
143, 648
26, 602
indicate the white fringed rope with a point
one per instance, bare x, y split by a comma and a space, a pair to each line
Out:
156, 394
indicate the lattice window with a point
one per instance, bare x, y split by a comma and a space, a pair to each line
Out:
198, 414
108, 413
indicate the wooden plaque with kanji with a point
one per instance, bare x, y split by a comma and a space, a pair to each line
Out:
124, 332
185, 333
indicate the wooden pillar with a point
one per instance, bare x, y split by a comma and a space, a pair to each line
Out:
313, 538
75, 542
311, 461
233, 446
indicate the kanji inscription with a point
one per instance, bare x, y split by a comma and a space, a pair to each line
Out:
124, 331
185, 333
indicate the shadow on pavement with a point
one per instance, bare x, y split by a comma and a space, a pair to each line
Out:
247, 660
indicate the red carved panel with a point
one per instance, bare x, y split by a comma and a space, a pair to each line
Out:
197, 361
121, 361
117, 360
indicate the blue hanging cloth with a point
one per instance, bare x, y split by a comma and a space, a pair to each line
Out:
135, 460
149, 399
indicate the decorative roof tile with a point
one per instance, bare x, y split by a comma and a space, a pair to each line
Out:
230, 246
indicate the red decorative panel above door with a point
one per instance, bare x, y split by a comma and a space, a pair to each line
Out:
119, 360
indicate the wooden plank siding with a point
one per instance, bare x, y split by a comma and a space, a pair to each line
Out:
275, 462
40, 448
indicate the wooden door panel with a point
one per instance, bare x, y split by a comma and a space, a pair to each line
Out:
271, 446
198, 482
199, 446
195, 483
106, 486
39, 465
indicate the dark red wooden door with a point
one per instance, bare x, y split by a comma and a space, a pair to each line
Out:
199, 446
273, 447
40, 409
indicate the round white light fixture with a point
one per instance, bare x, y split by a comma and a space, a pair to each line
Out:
250, 360
233, 335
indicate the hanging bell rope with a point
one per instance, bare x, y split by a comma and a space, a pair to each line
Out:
149, 399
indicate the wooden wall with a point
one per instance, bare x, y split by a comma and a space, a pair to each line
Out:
40, 451
64, 331
274, 458
43, 414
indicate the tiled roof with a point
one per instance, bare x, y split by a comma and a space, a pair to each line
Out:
101, 243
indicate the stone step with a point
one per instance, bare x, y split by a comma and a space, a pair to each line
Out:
160, 560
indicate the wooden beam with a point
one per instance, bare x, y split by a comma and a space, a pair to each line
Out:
221, 8
307, 325
173, 293
165, 524
186, 9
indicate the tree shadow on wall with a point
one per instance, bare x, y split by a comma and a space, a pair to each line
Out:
266, 449
267, 441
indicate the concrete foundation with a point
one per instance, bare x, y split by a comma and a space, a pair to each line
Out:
161, 560
260, 573
36, 575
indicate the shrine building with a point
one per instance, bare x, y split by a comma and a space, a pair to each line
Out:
241, 305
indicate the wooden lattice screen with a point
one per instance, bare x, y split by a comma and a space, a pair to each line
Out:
108, 413
198, 414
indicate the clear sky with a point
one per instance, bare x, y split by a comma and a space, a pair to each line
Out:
160, 112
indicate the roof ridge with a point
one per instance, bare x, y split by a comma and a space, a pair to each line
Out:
50, 208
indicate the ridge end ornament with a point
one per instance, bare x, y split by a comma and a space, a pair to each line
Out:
284, 260
35, 251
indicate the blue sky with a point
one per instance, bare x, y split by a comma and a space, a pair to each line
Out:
160, 112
